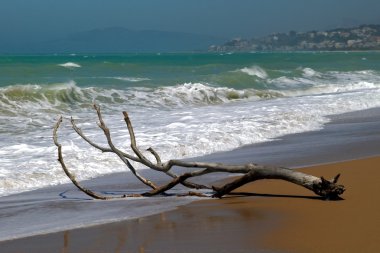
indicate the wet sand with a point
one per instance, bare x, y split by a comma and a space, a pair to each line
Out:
268, 216
271, 216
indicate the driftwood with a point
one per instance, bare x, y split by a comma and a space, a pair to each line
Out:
327, 189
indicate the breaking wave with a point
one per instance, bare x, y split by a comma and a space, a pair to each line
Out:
70, 65
309, 72
255, 71
68, 96
333, 82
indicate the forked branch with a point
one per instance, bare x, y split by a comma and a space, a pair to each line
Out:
67, 172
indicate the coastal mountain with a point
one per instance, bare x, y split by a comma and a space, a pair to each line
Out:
118, 40
364, 37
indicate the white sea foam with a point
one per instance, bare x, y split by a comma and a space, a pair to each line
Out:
70, 65
255, 71
64, 97
309, 72
179, 121
131, 79
329, 82
67, 96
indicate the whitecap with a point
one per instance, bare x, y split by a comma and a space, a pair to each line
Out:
332, 82
131, 79
70, 65
255, 71
309, 72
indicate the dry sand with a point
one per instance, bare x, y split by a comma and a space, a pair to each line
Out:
350, 225
285, 218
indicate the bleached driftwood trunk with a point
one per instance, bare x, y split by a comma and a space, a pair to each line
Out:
327, 189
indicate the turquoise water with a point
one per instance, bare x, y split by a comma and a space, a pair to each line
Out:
172, 69
183, 105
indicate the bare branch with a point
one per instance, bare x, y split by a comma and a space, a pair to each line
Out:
135, 149
106, 131
176, 181
155, 154
103, 149
158, 166
319, 186
67, 172
335, 179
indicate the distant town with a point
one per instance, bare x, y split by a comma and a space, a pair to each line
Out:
364, 37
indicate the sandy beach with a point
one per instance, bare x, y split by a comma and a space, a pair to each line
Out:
265, 216
350, 225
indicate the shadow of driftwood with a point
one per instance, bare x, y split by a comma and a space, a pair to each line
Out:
64, 195
250, 194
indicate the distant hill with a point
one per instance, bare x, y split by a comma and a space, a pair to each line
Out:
118, 40
364, 37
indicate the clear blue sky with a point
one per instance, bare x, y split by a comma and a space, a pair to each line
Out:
46, 19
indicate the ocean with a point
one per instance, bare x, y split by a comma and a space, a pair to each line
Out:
182, 105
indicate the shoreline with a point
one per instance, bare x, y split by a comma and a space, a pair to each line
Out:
267, 216
351, 136
348, 136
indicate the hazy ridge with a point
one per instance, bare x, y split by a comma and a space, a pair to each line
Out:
116, 40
